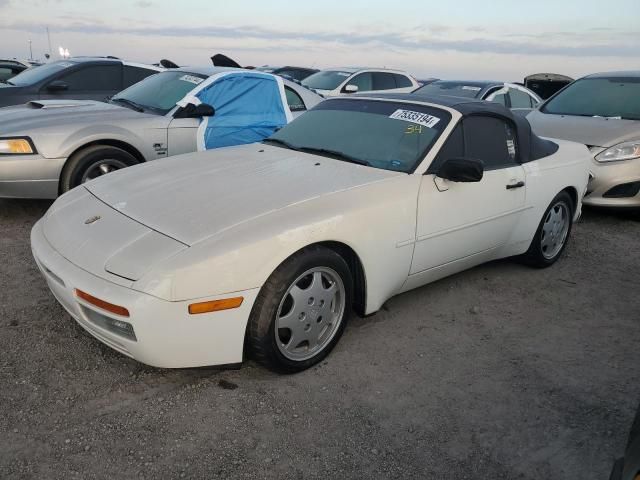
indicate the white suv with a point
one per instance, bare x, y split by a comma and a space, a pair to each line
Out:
338, 81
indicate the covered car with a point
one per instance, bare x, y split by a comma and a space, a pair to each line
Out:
48, 146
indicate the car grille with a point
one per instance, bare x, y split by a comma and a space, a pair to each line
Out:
624, 190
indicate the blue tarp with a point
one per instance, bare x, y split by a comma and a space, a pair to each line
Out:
249, 106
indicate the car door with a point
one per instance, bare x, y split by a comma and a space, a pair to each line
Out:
461, 224
520, 101
364, 82
295, 102
498, 95
85, 82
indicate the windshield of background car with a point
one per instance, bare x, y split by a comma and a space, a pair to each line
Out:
456, 89
37, 74
327, 80
388, 135
160, 93
602, 97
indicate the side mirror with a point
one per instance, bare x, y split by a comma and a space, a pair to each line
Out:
196, 111
351, 89
461, 170
57, 86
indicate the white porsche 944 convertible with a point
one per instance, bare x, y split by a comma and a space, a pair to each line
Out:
184, 262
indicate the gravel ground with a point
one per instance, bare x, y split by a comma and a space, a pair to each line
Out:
501, 372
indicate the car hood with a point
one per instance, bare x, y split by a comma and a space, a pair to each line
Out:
58, 114
591, 131
196, 196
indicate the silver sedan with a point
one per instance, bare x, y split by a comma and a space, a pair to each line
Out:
48, 147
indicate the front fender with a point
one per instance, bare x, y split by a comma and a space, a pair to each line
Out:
377, 221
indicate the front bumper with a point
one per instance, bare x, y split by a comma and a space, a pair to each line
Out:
29, 176
166, 335
607, 176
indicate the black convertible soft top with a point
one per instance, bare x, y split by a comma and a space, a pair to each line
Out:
532, 147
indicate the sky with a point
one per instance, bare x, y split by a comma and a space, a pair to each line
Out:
498, 39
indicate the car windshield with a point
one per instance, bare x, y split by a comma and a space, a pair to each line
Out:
456, 89
159, 93
37, 74
387, 135
614, 97
327, 80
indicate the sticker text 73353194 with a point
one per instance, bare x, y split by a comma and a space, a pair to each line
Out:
424, 119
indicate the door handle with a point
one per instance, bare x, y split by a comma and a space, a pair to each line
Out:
511, 186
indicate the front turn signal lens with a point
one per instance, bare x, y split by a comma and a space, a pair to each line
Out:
15, 146
109, 307
215, 305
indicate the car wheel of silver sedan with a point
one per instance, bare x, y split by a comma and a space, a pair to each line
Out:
93, 162
552, 235
301, 311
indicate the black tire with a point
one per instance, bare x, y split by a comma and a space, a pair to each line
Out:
634, 433
535, 256
83, 161
261, 335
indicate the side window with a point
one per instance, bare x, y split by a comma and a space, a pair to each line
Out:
296, 104
519, 99
495, 97
384, 81
5, 73
94, 78
452, 148
363, 81
491, 140
402, 81
135, 74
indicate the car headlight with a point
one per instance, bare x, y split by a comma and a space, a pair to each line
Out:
16, 146
622, 151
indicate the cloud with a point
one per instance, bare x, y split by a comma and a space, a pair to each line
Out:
416, 39
144, 4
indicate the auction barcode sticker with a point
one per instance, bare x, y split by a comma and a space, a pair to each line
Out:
191, 79
428, 121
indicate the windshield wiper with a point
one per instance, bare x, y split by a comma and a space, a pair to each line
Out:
282, 143
335, 153
125, 101
7, 82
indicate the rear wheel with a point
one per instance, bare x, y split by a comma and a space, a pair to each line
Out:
553, 233
93, 162
301, 311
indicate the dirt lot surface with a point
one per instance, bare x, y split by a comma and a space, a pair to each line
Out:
501, 372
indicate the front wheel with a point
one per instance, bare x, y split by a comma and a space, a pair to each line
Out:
552, 235
301, 311
93, 162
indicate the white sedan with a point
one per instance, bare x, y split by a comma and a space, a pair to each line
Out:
184, 262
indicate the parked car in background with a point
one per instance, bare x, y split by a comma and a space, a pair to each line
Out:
78, 78
338, 81
10, 68
628, 467
546, 84
292, 73
603, 112
50, 146
184, 262
515, 97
